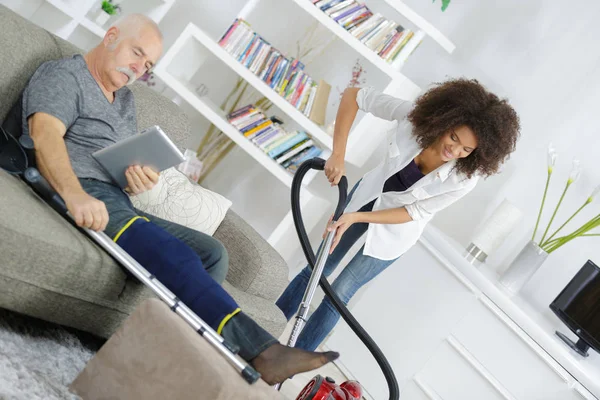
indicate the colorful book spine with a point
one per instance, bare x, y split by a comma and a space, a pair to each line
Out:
269, 133
288, 144
306, 154
241, 111
256, 128
284, 75
379, 34
280, 137
294, 150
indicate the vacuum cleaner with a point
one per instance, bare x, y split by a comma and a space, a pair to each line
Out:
320, 388
17, 157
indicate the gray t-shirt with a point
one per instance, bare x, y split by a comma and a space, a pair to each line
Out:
66, 90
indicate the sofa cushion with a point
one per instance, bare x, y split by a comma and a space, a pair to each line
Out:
40, 247
177, 199
17, 65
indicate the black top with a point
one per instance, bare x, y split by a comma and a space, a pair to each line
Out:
403, 179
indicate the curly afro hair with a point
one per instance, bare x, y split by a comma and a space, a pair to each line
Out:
459, 102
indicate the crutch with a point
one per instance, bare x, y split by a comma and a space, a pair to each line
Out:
41, 186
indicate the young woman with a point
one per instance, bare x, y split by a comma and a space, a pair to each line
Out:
456, 133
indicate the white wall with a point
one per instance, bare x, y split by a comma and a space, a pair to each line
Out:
543, 57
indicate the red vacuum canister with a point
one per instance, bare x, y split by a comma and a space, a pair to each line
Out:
320, 388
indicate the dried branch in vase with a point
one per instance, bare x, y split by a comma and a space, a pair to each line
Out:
215, 144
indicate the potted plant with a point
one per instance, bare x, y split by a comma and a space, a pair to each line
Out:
535, 252
107, 10
445, 4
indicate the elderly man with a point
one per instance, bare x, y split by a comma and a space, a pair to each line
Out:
75, 106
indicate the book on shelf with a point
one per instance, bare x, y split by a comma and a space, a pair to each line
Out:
409, 48
304, 144
285, 75
279, 150
269, 135
293, 164
388, 39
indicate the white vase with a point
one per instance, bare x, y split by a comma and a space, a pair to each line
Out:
494, 231
529, 260
102, 18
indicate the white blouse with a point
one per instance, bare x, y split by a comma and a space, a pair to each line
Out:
432, 193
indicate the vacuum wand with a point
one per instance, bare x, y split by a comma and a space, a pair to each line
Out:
319, 265
311, 289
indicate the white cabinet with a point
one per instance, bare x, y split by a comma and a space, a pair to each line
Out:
450, 333
452, 373
506, 355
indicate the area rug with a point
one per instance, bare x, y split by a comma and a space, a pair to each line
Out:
38, 360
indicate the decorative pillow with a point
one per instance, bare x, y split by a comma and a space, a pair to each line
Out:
177, 199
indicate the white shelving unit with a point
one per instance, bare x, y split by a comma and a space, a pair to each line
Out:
215, 114
347, 37
192, 31
194, 42
64, 17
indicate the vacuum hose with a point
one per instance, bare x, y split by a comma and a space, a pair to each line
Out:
319, 164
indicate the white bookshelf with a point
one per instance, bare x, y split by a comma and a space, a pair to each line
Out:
347, 37
92, 27
218, 118
67, 8
313, 129
175, 71
192, 31
64, 17
424, 29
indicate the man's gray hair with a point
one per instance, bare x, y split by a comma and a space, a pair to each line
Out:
131, 25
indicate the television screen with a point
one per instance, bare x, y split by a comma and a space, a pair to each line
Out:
578, 305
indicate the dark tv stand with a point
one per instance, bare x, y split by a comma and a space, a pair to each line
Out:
580, 347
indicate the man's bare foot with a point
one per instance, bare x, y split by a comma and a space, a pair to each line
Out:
278, 362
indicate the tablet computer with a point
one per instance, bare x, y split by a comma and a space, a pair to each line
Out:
152, 147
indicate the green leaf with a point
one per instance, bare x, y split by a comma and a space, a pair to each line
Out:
445, 4
109, 8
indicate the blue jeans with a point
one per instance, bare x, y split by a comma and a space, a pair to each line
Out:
360, 270
240, 329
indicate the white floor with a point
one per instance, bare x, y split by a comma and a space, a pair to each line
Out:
291, 388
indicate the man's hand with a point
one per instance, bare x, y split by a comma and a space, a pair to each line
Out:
87, 211
140, 179
335, 169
